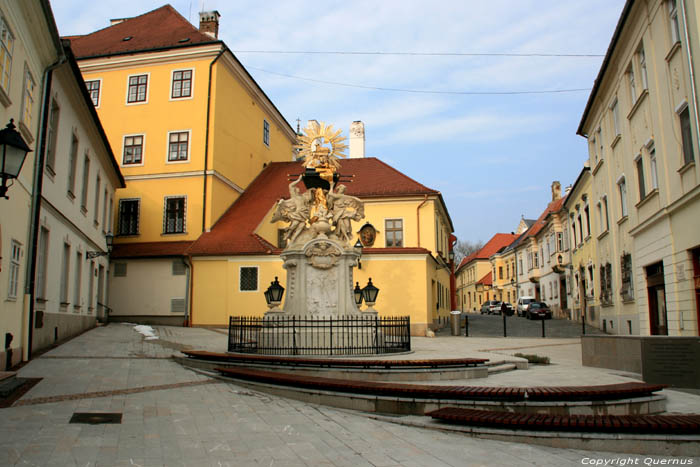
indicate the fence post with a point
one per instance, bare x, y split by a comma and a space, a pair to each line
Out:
542, 326
294, 336
331, 332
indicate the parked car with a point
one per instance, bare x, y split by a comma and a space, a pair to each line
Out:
491, 307
538, 310
523, 304
509, 309
484, 308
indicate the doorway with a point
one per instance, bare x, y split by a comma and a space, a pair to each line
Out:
696, 280
658, 324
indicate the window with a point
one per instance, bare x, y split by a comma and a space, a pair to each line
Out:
97, 202
104, 210
500, 272
138, 87
626, 271
108, 225
536, 260
605, 212
15, 257
394, 232
642, 61
640, 178
72, 164
580, 228
93, 88
178, 268
84, 192
51, 136
178, 146
614, 108
653, 169
128, 217
591, 289
65, 268
182, 84
630, 78
606, 284
174, 218
78, 278
622, 186
7, 41
560, 241
600, 216
599, 139
133, 150
28, 99
248, 279
673, 21
266, 133
43, 257
686, 135
588, 221
177, 305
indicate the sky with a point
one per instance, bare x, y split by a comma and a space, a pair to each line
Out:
449, 112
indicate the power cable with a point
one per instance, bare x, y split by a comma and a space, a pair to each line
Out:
419, 54
420, 91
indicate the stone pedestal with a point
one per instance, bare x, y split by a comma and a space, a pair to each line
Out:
319, 281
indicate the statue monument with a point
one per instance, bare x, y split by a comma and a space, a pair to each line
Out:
319, 257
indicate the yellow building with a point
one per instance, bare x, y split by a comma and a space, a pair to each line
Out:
191, 130
474, 276
583, 254
641, 123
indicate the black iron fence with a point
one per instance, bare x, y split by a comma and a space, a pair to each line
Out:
348, 335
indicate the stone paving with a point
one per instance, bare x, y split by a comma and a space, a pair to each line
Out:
173, 416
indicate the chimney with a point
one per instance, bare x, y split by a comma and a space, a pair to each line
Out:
209, 23
357, 140
114, 21
556, 190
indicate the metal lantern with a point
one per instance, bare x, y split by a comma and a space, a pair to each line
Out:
369, 293
276, 291
109, 239
358, 294
560, 259
13, 151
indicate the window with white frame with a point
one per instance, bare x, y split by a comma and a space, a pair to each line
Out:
96, 207
632, 86
178, 146
174, 215
614, 108
84, 191
138, 87
673, 21
686, 135
15, 258
52, 135
606, 214
653, 171
560, 241
182, 84
266, 133
7, 41
248, 279
93, 88
129, 216
78, 281
599, 206
639, 163
393, 229
28, 98
133, 150
587, 211
642, 62
622, 188
627, 292
65, 268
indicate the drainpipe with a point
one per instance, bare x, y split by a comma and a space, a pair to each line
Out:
206, 141
425, 200
188, 291
39, 163
690, 69
453, 282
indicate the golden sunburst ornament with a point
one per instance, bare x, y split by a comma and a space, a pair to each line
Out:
312, 150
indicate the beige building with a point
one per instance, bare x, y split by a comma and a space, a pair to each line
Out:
641, 122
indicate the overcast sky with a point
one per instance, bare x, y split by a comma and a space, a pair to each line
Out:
493, 156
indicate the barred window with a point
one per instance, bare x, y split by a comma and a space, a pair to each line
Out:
626, 291
128, 217
266, 133
606, 284
138, 85
174, 219
182, 84
249, 279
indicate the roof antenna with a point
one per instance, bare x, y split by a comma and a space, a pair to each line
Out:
298, 122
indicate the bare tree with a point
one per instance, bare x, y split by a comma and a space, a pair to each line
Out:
464, 248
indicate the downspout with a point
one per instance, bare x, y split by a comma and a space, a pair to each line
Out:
206, 140
188, 291
425, 200
39, 163
453, 281
690, 69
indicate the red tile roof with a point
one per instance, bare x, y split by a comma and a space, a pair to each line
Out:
162, 28
234, 232
149, 249
497, 242
487, 279
466, 260
554, 206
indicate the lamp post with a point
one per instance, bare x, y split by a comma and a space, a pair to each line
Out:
369, 294
109, 239
13, 151
273, 295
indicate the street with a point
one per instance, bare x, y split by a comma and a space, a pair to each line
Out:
492, 326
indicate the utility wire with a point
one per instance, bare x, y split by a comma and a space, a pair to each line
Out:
420, 91
420, 54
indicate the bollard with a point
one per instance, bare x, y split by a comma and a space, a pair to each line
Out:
542, 326
466, 325
505, 334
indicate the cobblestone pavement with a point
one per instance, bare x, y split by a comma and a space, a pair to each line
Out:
174, 417
519, 326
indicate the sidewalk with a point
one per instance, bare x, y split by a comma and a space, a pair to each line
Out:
173, 416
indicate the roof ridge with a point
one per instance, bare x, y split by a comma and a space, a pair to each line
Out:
403, 174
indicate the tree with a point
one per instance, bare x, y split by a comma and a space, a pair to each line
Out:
464, 248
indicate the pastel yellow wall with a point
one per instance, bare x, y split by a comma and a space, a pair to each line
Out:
468, 276
220, 196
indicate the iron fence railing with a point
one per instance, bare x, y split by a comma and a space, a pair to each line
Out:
347, 335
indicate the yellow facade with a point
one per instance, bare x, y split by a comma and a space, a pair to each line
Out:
473, 294
503, 265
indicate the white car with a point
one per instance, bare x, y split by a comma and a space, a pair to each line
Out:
524, 305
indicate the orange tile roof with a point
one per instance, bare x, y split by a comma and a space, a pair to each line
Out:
487, 279
234, 231
149, 249
554, 206
162, 28
497, 242
466, 260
